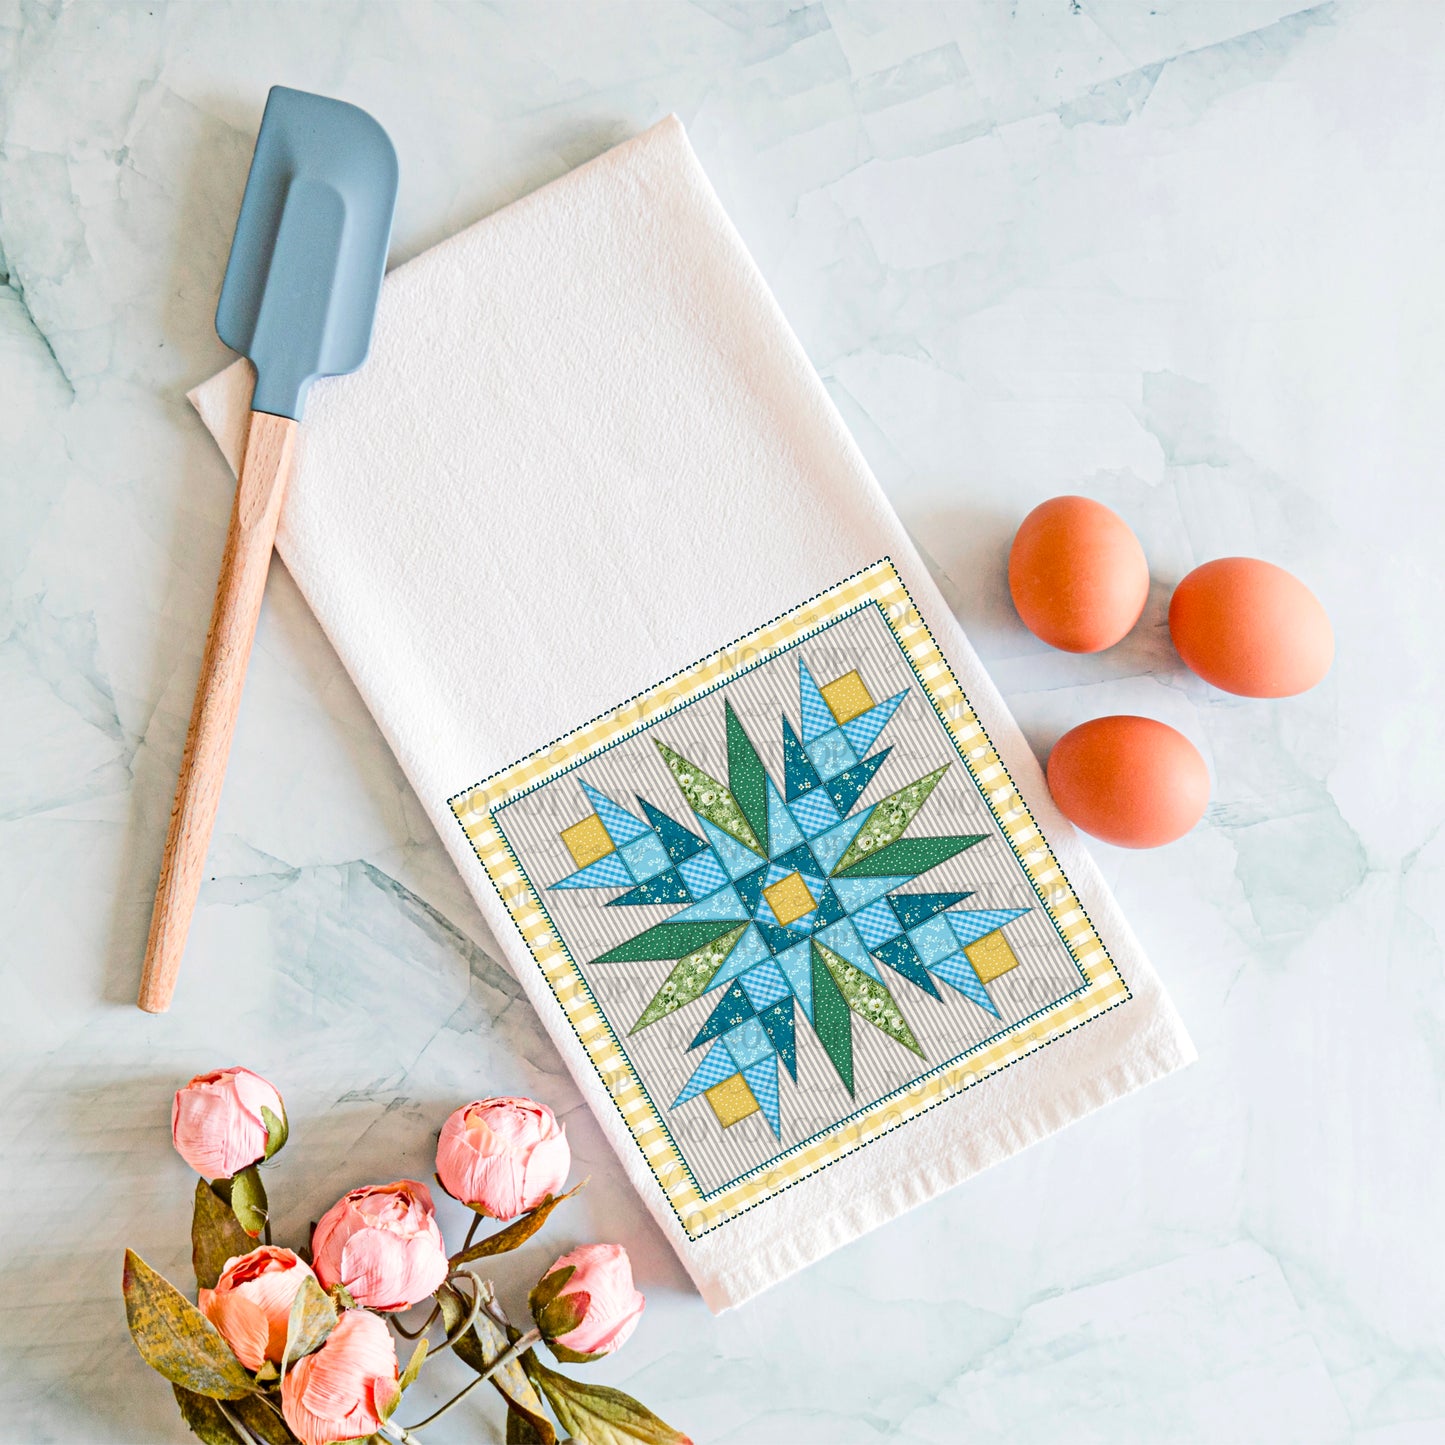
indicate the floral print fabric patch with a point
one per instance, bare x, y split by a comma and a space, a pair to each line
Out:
789, 898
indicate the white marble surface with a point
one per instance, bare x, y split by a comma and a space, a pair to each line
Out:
1182, 255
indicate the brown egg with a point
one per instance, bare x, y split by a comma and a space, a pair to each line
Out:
1251, 628
1130, 781
1077, 574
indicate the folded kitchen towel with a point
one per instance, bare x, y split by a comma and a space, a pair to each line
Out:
746, 816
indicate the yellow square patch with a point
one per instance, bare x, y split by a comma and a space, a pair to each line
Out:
731, 1100
991, 956
789, 898
847, 697
587, 841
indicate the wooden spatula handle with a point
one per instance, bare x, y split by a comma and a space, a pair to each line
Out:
218, 698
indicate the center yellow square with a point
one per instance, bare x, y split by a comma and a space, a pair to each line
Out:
789, 898
847, 697
587, 841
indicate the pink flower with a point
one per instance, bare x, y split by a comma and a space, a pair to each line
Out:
347, 1388
251, 1303
592, 1309
503, 1156
383, 1244
216, 1121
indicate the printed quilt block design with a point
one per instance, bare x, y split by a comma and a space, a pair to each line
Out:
787, 896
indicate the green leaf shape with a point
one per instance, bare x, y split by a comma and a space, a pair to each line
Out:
709, 799
248, 1201
313, 1316
175, 1339
206, 1420
413, 1365
386, 1411
913, 855
520, 1428
599, 1414
889, 819
561, 1316
548, 1288
667, 940
482, 1344
869, 999
747, 778
689, 980
517, 1233
216, 1236
277, 1131
832, 1020
570, 1357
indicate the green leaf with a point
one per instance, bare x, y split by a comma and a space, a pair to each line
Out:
666, 940
248, 1201
263, 1421
869, 999
599, 1414
566, 1356
832, 1019
216, 1235
313, 1316
277, 1131
386, 1411
517, 1233
911, 856
204, 1419
548, 1288
207, 1420
709, 799
482, 1344
176, 1339
561, 1316
889, 819
690, 978
520, 1427
413, 1365
747, 778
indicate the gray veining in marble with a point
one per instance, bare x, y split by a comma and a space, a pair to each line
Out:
1183, 256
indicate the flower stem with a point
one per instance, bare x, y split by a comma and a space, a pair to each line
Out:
481, 1292
471, 1233
402, 1330
522, 1345
242, 1433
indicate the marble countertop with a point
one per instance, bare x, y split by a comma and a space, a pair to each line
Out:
1183, 256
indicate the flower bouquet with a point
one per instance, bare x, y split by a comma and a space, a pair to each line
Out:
285, 1346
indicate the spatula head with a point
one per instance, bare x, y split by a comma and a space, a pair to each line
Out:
309, 253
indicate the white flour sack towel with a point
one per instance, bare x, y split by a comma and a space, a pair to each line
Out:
747, 818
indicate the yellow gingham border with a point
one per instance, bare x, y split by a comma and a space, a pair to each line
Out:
475, 809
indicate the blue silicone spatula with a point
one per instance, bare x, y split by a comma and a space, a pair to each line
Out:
299, 299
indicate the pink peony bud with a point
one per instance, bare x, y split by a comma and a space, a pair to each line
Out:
251, 1303
347, 1387
594, 1309
383, 1244
503, 1156
216, 1121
